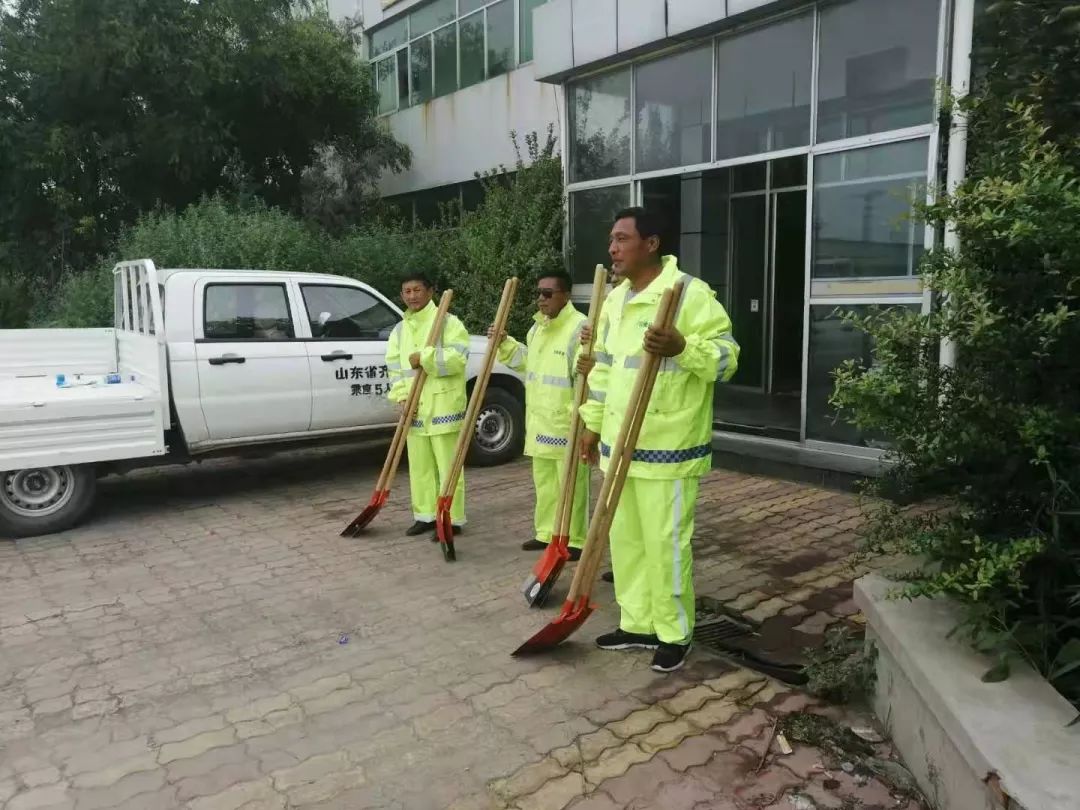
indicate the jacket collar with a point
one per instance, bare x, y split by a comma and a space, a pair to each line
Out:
422, 314
561, 318
669, 274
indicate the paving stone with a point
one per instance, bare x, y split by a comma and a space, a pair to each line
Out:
53, 797
694, 751
688, 700
196, 745
257, 793
121, 791
640, 722
639, 781
666, 735
554, 795
39, 778
614, 762
325, 787
529, 779
189, 729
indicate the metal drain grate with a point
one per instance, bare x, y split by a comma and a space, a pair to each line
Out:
715, 631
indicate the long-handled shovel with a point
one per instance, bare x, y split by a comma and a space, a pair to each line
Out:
443, 527
550, 565
397, 445
578, 605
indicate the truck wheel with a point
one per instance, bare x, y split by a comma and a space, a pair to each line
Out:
499, 436
45, 500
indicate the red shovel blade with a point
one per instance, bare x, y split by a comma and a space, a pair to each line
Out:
546, 571
573, 615
444, 529
360, 522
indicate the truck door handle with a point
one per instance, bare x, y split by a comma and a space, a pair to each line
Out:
330, 358
227, 358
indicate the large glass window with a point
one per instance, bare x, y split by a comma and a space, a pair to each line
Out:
420, 69
430, 16
864, 225
832, 343
526, 29
591, 214
386, 84
763, 88
446, 79
877, 67
389, 37
674, 105
500, 38
600, 126
471, 37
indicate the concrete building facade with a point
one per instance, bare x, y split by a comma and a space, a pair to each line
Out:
786, 143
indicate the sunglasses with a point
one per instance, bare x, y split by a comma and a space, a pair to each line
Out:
546, 292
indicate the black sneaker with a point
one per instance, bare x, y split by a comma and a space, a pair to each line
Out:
533, 545
575, 554
670, 657
608, 576
621, 640
418, 528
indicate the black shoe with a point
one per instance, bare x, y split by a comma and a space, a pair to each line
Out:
575, 554
418, 528
621, 640
670, 657
608, 576
533, 545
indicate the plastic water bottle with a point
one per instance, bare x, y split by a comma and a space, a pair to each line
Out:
112, 379
60, 383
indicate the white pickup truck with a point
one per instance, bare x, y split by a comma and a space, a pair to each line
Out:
201, 362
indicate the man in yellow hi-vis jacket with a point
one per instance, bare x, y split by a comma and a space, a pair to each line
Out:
441, 414
654, 521
547, 358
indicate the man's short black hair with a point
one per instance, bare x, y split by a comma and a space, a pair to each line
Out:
648, 222
417, 275
565, 282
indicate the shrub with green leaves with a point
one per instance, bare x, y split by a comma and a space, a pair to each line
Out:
996, 438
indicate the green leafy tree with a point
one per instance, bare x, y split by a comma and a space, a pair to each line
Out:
996, 438
111, 108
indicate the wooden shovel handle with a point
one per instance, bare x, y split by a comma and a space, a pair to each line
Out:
412, 402
472, 410
564, 512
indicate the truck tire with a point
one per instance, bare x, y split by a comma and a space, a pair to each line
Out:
499, 434
45, 500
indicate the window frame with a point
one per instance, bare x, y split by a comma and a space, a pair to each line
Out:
378, 302
283, 285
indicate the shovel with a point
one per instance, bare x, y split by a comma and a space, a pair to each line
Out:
550, 565
443, 527
397, 445
578, 605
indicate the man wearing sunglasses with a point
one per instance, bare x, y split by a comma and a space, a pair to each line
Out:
547, 359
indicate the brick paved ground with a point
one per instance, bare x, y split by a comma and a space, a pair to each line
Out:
183, 650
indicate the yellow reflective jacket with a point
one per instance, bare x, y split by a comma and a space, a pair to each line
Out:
676, 436
442, 402
547, 359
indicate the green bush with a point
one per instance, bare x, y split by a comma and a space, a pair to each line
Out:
516, 230
997, 437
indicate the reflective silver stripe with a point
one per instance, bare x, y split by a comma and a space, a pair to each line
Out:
603, 358
632, 362
597, 396
530, 376
518, 358
676, 559
409, 372
461, 348
440, 362
556, 382
532, 331
392, 366
685, 279
571, 348
725, 343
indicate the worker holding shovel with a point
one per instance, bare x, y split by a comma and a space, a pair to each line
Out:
547, 359
440, 416
654, 521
